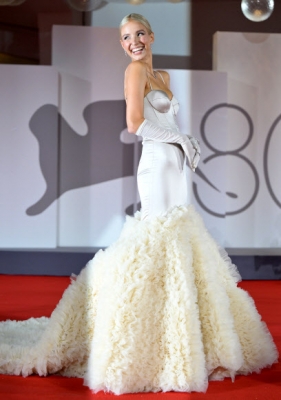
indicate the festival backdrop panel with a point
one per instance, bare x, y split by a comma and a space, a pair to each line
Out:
97, 169
252, 62
198, 92
98, 159
76, 155
28, 98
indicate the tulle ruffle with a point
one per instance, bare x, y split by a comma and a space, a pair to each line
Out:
158, 310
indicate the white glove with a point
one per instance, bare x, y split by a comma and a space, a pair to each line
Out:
189, 144
196, 152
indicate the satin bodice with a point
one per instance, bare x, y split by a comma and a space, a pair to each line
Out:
160, 110
161, 173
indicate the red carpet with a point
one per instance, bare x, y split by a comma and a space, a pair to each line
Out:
24, 296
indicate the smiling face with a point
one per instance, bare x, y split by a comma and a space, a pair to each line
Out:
136, 40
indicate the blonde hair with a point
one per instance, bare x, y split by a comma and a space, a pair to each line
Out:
136, 17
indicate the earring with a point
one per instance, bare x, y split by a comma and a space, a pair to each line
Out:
125, 53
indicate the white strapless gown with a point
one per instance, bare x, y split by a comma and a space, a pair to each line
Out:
159, 309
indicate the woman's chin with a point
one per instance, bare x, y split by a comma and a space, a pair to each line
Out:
138, 57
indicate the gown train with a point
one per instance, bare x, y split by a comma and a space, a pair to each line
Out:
158, 310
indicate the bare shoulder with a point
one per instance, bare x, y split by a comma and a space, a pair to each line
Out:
135, 80
136, 67
166, 77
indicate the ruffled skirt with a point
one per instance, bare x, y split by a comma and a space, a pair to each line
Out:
158, 310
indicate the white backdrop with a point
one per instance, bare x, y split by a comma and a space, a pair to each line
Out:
23, 91
197, 92
91, 65
68, 167
253, 65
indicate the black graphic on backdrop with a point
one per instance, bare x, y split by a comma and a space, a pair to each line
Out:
265, 161
97, 157
236, 153
100, 156
233, 153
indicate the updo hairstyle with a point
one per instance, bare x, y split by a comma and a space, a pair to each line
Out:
136, 17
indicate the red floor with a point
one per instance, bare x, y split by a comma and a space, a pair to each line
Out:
23, 296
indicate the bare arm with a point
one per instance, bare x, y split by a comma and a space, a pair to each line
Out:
135, 82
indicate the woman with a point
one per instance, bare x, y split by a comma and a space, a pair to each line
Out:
151, 110
160, 308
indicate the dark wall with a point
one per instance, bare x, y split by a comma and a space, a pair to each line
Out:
210, 16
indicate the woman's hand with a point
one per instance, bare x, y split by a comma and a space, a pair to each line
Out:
192, 150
